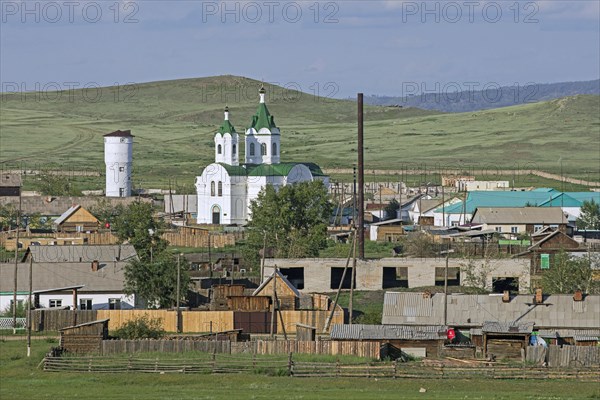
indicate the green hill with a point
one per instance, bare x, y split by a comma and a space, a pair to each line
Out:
174, 122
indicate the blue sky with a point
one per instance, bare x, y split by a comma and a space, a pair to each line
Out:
376, 47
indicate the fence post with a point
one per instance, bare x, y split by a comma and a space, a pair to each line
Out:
214, 361
337, 367
290, 365
395, 364
156, 365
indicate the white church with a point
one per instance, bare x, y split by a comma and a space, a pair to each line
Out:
226, 187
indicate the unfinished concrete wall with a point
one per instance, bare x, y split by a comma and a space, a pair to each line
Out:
421, 271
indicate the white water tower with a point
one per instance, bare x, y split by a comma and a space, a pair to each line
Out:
118, 157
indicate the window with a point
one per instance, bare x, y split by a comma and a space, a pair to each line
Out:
121, 192
220, 189
499, 229
121, 169
55, 303
394, 277
79, 228
212, 188
263, 149
514, 229
453, 276
216, 215
233, 150
219, 149
274, 149
336, 278
114, 304
295, 276
85, 304
251, 149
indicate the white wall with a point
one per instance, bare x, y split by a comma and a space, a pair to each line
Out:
99, 301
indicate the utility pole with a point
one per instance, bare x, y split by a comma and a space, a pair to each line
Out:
354, 195
353, 278
262, 263
16, 265
274, 300
178, 293
361, 180
443, 206
29, 305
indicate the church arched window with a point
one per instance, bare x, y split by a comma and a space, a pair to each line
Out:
251, 149
220, 189
218, 149
212, 188
233, 150
263, 149
274, 149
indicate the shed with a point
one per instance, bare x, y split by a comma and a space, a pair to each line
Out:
506, 339
305, 333
84, 338
287, 294
248, 303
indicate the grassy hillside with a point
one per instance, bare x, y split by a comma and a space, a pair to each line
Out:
174, 121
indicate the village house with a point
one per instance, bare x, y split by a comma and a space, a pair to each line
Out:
95, 273
514, 221
76, 219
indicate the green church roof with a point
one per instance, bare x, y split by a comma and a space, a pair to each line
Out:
262, 118
226, 127
281, 169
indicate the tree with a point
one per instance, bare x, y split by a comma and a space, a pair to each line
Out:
156, 281
293, 221
137, 225
105, 211
589, 218
391, 210
568, 274
153, 276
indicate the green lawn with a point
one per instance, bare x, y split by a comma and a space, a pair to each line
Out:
21, 379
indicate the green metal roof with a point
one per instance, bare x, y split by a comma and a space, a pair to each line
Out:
226, 127
281, 169
262, 118
533, 198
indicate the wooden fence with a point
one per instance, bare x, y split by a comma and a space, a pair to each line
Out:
565, 356
370, 350
287, 366
217, 321
55, 320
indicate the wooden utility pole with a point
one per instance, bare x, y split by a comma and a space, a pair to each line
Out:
178, 293
274, 300
361, 180
351, 299
29, 305
337, 295
14, 310
262, 262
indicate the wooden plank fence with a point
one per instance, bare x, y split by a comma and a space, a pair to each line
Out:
55, 320
370, 350
565, 356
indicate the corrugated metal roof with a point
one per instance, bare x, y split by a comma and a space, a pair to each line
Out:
473, 310
586, 338
108, 278
387, 332
519, 215
81, 253
506, 327
11, 180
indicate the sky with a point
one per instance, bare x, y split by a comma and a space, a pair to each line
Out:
330, 48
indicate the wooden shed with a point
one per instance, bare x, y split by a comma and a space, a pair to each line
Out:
84, 338
77, 219
505, 340
221, 293
287, 294
306, 333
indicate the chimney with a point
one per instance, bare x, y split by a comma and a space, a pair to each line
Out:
539, 298
95, 266
506, 296
578, 296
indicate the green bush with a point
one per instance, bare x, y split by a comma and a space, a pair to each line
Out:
141, 328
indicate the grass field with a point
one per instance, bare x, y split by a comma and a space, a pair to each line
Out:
21, 379
174, 122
